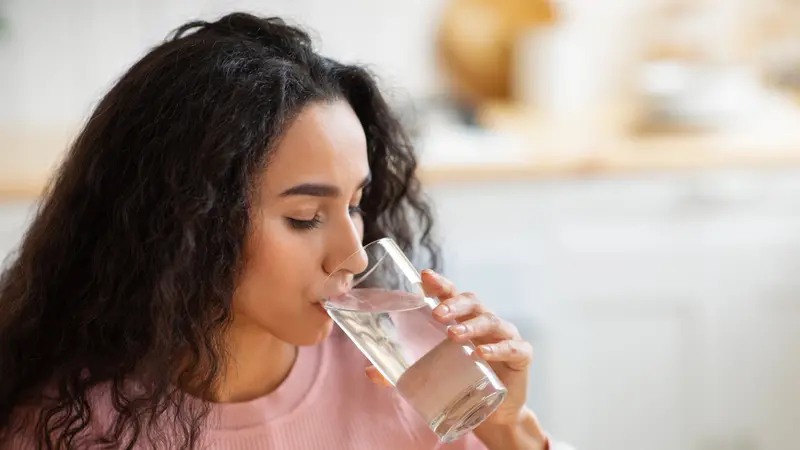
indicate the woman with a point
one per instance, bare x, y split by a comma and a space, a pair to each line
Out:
165, 294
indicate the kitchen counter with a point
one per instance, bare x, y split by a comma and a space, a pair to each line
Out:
611, 163
545, 148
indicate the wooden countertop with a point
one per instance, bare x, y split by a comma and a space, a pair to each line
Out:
608, 164
606, 147
557, 150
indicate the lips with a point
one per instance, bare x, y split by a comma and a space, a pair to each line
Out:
331, 299
337, 286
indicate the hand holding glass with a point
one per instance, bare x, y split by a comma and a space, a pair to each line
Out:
385, 312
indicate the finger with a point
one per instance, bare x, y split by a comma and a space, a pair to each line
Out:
486, 325
437, 286
462, 306
375, 376
517, 354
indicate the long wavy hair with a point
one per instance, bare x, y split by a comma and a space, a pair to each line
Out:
128, 268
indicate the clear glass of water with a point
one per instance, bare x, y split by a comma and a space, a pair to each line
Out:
385, 312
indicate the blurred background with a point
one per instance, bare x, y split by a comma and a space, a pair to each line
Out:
620, 178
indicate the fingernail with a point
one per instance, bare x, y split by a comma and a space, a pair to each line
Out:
459, 329
486, 349
443, 310
433, 274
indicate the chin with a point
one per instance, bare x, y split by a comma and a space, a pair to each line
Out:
315, 335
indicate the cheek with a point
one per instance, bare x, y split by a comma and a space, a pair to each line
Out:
272, 286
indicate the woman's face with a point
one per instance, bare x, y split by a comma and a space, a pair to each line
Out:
305, 223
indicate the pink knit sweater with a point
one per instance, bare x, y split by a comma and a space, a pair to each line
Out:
326, 402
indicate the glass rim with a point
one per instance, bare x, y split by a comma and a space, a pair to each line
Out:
383, 242
358, 279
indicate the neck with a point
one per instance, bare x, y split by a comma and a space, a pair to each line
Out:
258, 363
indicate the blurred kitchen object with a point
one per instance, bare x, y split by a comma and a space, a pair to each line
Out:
779, 33
575, 69
557, 67
695, 75
476, 45
697, 96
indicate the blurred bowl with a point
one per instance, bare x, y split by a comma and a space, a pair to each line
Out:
698, 95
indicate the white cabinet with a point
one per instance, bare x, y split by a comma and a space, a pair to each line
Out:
664, 310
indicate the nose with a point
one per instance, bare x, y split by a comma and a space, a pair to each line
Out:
347, 251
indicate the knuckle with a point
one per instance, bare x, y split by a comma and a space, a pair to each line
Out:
470, 296
492, 319
475, 326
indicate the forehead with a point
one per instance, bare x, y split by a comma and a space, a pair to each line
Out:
325, 143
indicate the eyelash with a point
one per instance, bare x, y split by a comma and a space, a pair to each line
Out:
305, 225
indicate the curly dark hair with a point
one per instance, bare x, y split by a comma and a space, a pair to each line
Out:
128, 269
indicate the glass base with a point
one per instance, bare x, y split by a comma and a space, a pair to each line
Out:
468, 411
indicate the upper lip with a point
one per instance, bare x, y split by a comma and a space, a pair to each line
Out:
336, 287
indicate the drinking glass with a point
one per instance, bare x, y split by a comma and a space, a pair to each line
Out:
385, 312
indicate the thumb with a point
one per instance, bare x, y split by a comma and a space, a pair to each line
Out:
375, 376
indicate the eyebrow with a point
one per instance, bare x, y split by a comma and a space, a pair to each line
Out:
320, 190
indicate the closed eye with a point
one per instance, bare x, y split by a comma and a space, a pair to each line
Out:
298, 224
304, 225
